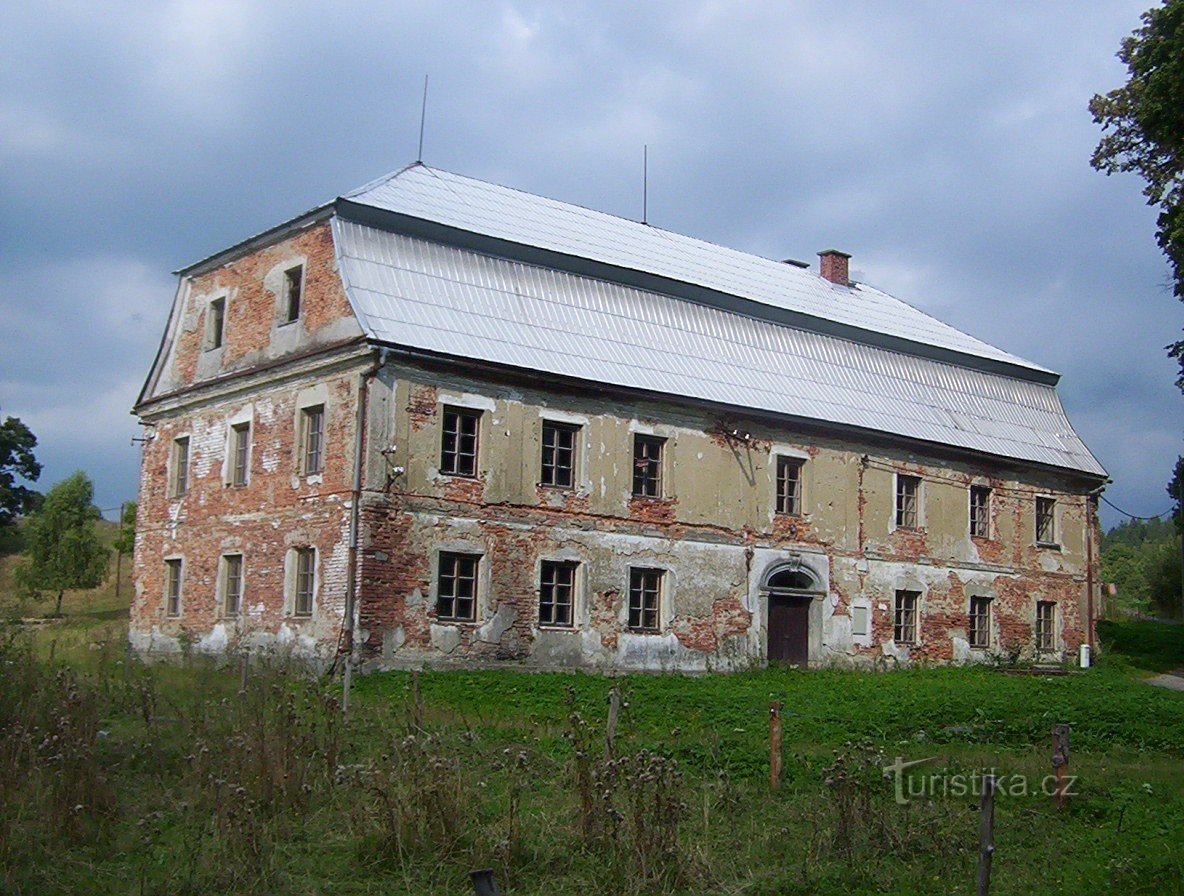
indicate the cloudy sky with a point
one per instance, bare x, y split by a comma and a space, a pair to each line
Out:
944, 144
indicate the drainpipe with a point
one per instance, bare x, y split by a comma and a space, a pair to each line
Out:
1091, 499
355, 512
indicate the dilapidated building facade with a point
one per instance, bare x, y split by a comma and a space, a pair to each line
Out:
439, 421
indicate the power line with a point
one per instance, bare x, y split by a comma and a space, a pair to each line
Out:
1158, 516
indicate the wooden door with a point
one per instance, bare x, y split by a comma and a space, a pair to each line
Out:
789, 629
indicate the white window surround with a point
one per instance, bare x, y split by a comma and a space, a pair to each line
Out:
291, 570
166, 560
892, 527
220, 590
579, 586
665, 598
467, 400
245, 415
481, 602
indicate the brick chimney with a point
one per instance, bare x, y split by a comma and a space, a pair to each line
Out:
832, 264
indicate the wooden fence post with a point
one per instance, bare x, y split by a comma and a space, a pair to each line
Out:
610, 728
483, 882
774, 744
1060, 760
416, 702
986, 835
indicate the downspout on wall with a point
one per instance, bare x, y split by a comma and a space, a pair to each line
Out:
349, 621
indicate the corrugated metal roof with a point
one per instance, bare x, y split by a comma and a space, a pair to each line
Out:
502, 213
413, 292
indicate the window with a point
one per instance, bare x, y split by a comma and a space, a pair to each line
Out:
647, 466
240, 453
232, 584
557, 586
458, 454
980, 622
216, 323
980, 511
306, 564
456, 593
789, 485
293, 283
312, 436
172, 587
559, 454
1046, 521
179, 482
904, 618
645, 599
1046, 614
908, 488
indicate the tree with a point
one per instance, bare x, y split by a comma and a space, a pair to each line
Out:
125, 541
1143, 131
16, 459
63, 551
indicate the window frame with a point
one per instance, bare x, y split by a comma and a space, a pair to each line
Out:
179, 467
174, 583
451, 459
304, 581
980, 512
902, 497
906, 616
448, 569
549, 473
788, 501
648, 470
1046, 508
292, 293
240, 454
216, 323
978, 622
231, 563
1044, 628
645, 582
571, 569
309, 415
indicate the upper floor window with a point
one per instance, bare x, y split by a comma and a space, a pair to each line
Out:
908, 501
980, 622
306, 562
980, 511
312, 439
904, 617
559, 454
557, 586
1046, 521
293, 287
458, 451
1046, 615
216, 323
456, 587
232, 584
172, 587
645, 599
647, 466
179, 464
789, 485
240, 453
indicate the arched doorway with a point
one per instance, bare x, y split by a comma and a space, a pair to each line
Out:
792, 589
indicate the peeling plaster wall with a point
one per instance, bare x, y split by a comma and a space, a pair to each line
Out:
714, 530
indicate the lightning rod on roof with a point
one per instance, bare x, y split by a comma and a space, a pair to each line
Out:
645, 183
423, 113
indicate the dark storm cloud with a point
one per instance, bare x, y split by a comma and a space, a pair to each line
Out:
945, 145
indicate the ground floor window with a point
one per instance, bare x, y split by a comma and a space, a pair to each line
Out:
456, 587
232, 584
557, 582
1046, 614
306, 564
980, 622
645, 599
904, 617
172, 587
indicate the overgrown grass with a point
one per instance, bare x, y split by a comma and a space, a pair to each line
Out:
123, 778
